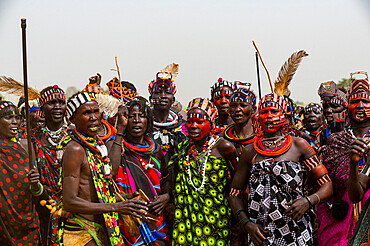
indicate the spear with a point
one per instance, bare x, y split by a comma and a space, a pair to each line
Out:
119, 78
268, 74
28, 127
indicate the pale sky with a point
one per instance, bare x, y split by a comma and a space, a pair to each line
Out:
68, 41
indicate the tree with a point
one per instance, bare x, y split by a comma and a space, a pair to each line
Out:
345, 83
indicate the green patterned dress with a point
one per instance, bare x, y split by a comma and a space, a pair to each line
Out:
201, 217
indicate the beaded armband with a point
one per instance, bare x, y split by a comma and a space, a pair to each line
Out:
317, 171
236, 192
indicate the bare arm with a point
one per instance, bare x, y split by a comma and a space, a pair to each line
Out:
74, 157
115, 147
358, 183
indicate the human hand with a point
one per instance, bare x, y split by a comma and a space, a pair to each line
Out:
122, 119
136, 208
356, 150
297, 208
33, 179
159, 204
256, 233
95, 79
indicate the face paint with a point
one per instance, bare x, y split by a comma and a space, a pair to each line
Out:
359, 107
271, 119
198, 128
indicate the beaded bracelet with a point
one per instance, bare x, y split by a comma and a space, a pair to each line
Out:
39, 192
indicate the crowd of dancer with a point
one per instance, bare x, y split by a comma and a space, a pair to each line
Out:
113, 168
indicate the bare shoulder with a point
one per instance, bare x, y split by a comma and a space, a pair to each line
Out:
226, 149
303, 146
73, 154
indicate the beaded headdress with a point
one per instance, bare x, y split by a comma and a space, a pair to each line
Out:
77, 100
114, 87
93, 88
359, 85
3, 108
242, 93
220, 84
205, 105
329, 92
162, 79
51, 94
271, 100
313, 107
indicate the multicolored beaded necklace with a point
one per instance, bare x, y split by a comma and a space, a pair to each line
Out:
149, 146
273, 148
54, 137
232, 136
200, 160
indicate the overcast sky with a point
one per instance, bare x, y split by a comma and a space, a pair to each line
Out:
68, 41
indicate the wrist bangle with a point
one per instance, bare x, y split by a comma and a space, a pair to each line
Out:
238, 212
119, 134
39, 192
309, 200
242, 223
318, 198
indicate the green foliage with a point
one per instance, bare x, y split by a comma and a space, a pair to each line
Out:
344, 83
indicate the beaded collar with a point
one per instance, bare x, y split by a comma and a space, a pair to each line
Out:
230, 135
173, 120
273, 148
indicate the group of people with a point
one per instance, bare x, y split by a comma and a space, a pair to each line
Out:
113, 168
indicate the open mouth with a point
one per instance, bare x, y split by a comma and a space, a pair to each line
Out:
136, 128
14, 130
360, 114
94, 128
57, 115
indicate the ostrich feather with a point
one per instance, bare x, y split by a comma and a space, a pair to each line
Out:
108, 104
287, 72
12, 86
172, 68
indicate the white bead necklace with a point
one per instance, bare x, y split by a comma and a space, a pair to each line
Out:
212, 142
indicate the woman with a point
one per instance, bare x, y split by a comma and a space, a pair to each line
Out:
19, 223
139, 160
196, 181
275, 168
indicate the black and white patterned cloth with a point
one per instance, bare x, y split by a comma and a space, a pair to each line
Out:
272, 184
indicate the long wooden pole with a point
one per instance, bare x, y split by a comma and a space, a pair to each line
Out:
258, 76
25, 82
268, 74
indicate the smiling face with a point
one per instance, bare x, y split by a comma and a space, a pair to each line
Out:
162, 98
198, 127
359, 107
271, 119
87, 119
221, 99
137, 122
54, 110
240, 112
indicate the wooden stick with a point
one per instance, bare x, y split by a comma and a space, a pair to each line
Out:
27, 107
119, 77
268, 75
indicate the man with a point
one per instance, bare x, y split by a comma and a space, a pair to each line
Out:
334, 103
167, 123
45, 141
313, 121
196, 181
220, 96
139, 163
87, 191
337, 219
275, 167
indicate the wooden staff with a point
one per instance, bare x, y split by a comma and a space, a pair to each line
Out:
268, 74
258, 76
28, 126
119, 77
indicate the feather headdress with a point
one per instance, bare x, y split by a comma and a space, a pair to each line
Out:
287, 72
107, 104
12, 86
172, 69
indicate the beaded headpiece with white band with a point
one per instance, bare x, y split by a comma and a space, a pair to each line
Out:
76, 101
